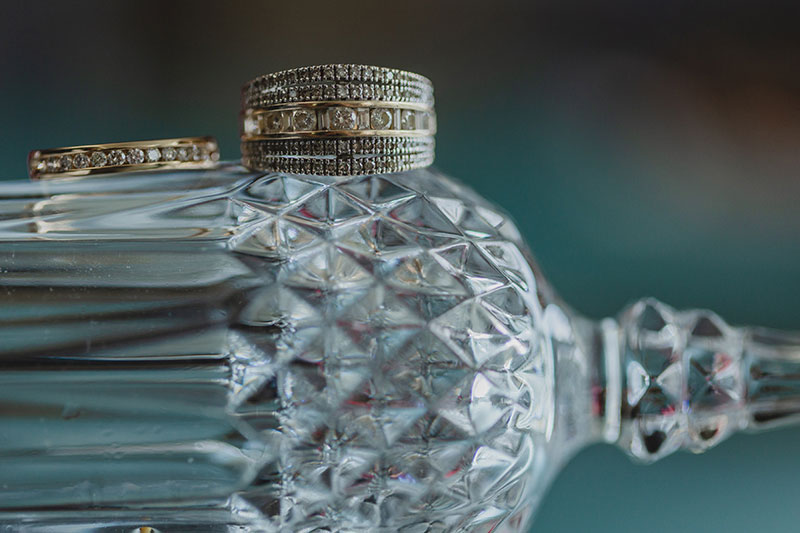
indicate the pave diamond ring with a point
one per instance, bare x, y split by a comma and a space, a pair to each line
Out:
163, 154
338, 82
338, 120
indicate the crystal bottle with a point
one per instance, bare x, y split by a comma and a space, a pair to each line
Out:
235, 351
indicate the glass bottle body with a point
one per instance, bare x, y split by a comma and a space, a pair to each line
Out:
278, 351
239, 351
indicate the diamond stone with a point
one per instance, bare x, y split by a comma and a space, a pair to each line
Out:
274, 122
380, 119
65, 162
80, 160
251, 126
53, 164
153, 154
99, 159
304, 119
342, 118
423, 121
183, 153
408, 119
116, 157
169, 153
135, 156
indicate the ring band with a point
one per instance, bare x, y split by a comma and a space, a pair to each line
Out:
342, 157
338, 120
163, 154
337, 82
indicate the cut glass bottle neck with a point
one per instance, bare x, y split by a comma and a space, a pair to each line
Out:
687, 380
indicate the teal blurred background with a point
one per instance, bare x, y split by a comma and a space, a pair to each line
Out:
644, 149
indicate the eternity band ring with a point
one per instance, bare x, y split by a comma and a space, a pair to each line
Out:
164, 154
338, 120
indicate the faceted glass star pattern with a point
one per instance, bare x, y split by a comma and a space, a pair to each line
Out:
293, 353
399, 354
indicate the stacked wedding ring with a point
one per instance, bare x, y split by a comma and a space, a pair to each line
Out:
338, 120
164, 154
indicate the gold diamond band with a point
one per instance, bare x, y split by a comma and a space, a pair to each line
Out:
338, 120
164, 154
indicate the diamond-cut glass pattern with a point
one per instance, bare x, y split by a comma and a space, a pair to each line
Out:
397, 361
234, 351
230, 351
684, 379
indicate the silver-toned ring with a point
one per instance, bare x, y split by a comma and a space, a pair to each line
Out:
338, 120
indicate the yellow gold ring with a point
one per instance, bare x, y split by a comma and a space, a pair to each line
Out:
163, 154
